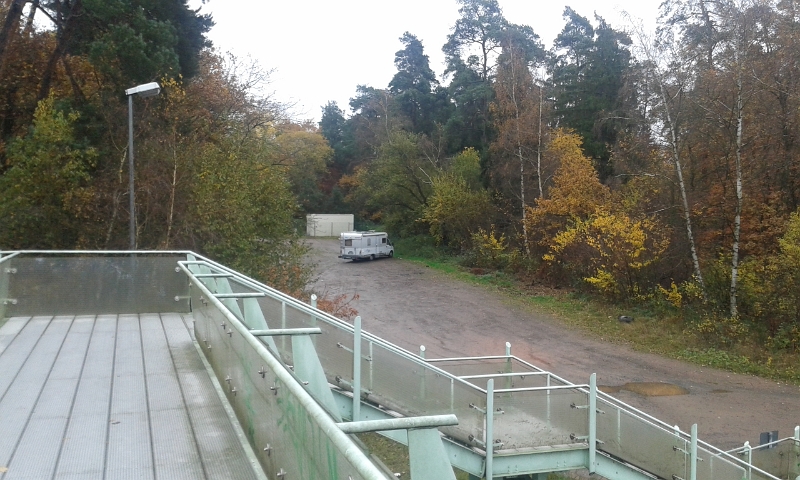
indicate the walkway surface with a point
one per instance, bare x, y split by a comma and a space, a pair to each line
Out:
111, 396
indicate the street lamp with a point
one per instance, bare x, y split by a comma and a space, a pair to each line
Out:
146, 90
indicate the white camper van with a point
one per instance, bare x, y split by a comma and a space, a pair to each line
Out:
362, 245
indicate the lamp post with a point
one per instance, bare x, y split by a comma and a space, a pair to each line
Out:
146, 90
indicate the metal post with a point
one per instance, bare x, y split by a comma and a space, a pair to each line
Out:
592, 423
313, 316
509, 367
422, 375
489, 434
357, 370
749, 452
283, 325
693, 454
131, 200
548, 399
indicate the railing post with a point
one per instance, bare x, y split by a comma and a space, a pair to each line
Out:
592, 423
797, 447
357, 369
489, 433
283, 325
509, 366
422, 374
749, 451
693, 454
314, 317
548, 398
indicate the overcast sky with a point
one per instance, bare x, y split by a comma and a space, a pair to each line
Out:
322, 49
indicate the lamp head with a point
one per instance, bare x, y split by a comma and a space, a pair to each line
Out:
146, 90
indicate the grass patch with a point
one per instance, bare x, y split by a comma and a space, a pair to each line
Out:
666, 333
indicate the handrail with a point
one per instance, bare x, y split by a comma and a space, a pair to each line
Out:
342, 442
324, 316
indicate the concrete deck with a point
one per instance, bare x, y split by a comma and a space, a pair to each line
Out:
112, 396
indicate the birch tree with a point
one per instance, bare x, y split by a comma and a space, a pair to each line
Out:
665, 68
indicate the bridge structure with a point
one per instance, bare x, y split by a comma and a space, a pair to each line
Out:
168, 364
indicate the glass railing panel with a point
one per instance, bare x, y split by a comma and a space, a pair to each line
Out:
538, 418
710, 466
638, 441
285, 437
413, 388
5, 273
782, 460
97, 284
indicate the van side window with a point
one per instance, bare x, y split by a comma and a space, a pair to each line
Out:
383, 240
369, 242
348, 242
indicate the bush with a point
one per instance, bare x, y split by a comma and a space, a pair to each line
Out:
490, 251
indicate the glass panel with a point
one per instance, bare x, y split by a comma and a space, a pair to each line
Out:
413, 388
639, 442
75, 285
5, 265
273, 417
712, 467
539, 418
782, 461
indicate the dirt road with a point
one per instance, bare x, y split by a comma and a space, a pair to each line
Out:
411, 305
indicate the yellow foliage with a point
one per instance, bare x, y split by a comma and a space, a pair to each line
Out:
575, 195
673, 295
610, 249
490, 250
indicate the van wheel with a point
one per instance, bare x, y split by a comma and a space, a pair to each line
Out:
372, 257
391, 253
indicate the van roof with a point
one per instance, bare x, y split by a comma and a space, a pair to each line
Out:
362, 234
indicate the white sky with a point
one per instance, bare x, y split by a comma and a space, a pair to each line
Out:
322, 49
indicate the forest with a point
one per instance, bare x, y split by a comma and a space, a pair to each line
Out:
642, 167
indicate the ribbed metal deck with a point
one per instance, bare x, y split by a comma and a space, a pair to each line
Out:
111, 396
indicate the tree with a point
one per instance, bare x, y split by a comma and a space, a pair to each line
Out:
459, 206
517, 110
576, 192
670, 78
303, 153
587, 73
413, 84
470, 53
454, 210
46, 194
395, 188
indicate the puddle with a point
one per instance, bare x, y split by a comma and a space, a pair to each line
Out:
648, 389
719, 390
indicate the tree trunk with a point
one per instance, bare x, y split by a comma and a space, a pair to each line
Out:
31, 14
65, 29
676, 160
539, 148
737, 221
10, 26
